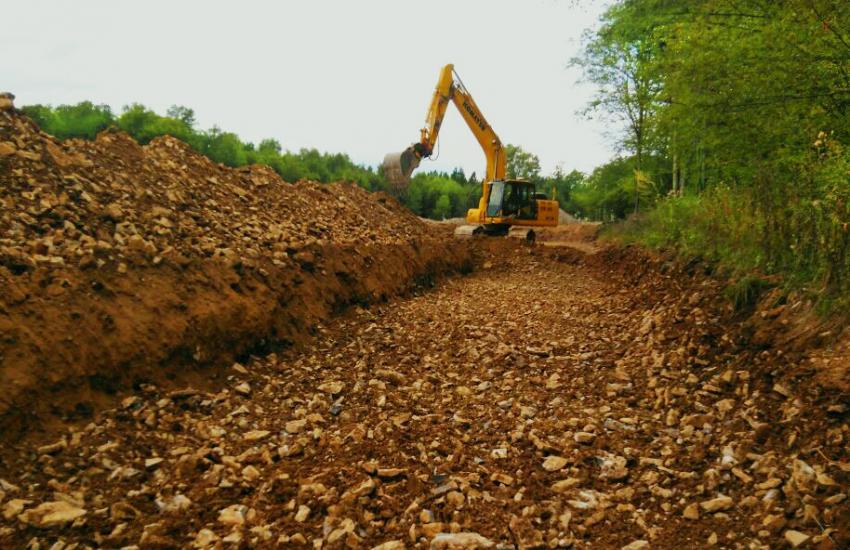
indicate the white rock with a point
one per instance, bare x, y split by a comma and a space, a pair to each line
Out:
796, 538
302, 514
460, 540
636, 545
233, 514
554, 463
718, 504
204, 538
52, 513
390, 545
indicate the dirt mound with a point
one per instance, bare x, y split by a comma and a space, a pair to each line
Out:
118, 259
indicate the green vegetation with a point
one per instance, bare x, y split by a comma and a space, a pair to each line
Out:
85, 120
736, 132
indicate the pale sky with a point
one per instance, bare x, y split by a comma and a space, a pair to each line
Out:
338, 75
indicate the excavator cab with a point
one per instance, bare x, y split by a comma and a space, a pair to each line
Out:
516, 199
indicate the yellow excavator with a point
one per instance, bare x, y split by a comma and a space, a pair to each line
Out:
506, 207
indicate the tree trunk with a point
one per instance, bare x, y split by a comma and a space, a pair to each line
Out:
675, 168
637, 176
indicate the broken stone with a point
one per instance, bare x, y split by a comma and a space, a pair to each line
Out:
584, 437
233, 514
177, 503
296, 426
204, 538
153, 463
52, 513
255, 435
504, 479
554, 463
718, 504
691, 511
332, 388
613, 468
448, 541
796, 538
14, 507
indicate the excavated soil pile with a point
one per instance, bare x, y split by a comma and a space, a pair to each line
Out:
122, 264
547, 400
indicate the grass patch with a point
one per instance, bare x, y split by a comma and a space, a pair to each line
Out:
745, 292
724, 228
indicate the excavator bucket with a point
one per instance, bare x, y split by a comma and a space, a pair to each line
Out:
398, 167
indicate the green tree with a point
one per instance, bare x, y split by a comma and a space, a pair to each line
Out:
443, 207
521, 163
224, 147
83, 120
739, 108
619, 59
183, 114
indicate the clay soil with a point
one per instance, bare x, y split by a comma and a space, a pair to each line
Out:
549, 399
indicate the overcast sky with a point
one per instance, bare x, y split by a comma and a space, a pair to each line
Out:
338, 75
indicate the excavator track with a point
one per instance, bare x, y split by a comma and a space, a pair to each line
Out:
515, 232
468, 231
525, 233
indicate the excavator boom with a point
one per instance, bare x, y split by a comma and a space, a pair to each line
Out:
398, 167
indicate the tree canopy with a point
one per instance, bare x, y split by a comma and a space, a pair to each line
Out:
742, 104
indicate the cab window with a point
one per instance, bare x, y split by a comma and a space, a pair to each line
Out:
497, 191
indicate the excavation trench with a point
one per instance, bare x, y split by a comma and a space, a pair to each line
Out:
546, 399
108, 334
124, 266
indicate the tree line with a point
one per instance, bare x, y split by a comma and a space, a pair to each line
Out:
736, 134
85, 119
432, 194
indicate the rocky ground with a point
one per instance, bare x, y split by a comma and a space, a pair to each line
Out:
123, 264
547, 400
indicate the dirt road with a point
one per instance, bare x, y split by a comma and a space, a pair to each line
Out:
549, 401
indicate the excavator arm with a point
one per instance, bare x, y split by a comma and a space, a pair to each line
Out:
398, 167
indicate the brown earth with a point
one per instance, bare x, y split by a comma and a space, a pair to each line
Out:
122, 264
551, 398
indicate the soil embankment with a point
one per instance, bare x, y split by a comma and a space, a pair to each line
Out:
122, 265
